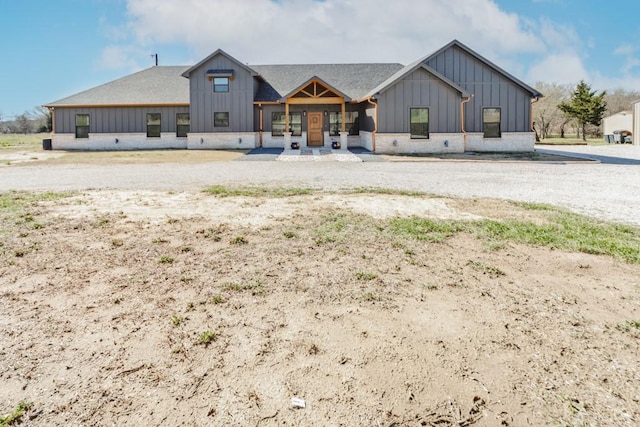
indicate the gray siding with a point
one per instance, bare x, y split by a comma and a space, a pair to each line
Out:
419, 89
238, 102
490, 89
116, 119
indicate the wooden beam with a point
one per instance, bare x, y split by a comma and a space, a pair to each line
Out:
323, 92
315, 101
344, 119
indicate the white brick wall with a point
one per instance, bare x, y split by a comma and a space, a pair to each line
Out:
222, 140
391, 143
514, 141
119, 141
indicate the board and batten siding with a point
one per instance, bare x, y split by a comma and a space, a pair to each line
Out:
489, 87
238, 102
419, 89
116, 119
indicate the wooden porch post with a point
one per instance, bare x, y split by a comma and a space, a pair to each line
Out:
342, 125
286, 116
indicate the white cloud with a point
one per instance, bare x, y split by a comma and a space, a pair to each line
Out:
559, 68
289, 31
118, 58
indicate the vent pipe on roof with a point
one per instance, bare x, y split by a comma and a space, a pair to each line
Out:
155, 55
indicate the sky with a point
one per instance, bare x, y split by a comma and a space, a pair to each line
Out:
53, 49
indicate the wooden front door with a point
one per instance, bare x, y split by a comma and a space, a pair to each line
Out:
314, 130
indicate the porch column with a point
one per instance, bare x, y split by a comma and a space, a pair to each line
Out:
343, 132
286, 118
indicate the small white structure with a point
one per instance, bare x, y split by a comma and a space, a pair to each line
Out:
619, 121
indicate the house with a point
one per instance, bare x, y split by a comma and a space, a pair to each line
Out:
615, 123
453, 100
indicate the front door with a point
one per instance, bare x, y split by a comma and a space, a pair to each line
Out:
314, 130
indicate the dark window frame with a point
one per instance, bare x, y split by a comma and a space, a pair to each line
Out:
221, 122
153, 130
182, 129
417, 129
495, 128
221, 84
352, 126
277, 125
82, 131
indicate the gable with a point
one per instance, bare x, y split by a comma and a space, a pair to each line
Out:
464, 66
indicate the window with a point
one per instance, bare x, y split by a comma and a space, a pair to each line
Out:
221, 84
82, 126
419, 123
351, 125
182, 124
221, 120
278, 123
491, 122
153, 125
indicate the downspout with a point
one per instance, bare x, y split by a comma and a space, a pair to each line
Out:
464, 132
531, 113
375, 123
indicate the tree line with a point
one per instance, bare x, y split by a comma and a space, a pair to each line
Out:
576, 109
37, 120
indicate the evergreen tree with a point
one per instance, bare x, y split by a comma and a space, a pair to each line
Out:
585, 106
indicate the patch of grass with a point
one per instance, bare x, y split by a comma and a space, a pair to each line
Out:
486, 269
239, 240
289, 234
159, 240
176, 319
371, 297
568, 231
166, 260
207, 337
222, 191
186, 249
16, 415
254, 286
629, 326
365, 276
331, 228
116, 243
425, 229
530, 206
217, 299
388, 191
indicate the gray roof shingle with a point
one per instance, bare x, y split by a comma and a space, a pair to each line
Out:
354, 80
152, 86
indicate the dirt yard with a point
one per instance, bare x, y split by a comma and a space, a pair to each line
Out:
155, 308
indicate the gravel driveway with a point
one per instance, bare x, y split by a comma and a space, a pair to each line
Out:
605, 190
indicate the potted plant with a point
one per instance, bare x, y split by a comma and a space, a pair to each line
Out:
295, 145
335, 145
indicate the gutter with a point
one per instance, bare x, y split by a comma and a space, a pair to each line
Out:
464, 132
375, 123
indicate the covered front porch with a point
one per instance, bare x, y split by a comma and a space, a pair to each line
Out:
314, 115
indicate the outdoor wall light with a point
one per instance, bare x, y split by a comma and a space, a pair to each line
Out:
395, 143
201, 140
117, 140
239, 140
446, 142
304, 113
325, 112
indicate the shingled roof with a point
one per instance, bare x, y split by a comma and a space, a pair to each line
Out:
162, 85
354, 80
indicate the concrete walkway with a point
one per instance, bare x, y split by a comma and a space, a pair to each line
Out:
612, 154
318, 155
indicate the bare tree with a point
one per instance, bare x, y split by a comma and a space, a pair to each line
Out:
547, 115
23, 123
620, 100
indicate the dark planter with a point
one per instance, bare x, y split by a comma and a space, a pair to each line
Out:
335, 145
295, 145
